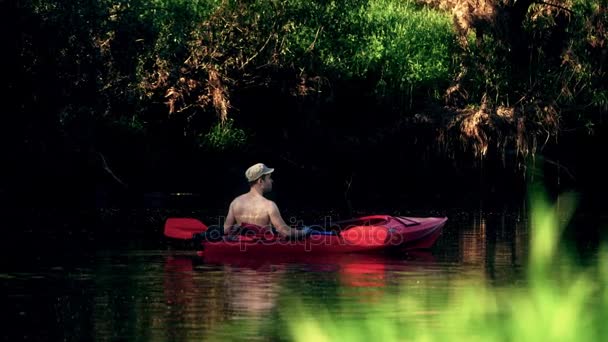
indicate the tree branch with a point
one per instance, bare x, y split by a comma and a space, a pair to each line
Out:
312, 45
554, 5
108, 170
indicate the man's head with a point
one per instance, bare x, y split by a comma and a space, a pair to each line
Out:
259, 175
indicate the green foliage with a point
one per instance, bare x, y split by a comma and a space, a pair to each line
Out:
154, 61
548, 222
488, 70
535, 68
134, 124
397, 43
585, 60
157, 28
224, 136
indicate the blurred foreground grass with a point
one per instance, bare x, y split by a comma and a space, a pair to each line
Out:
559, 300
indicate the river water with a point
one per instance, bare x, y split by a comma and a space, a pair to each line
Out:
138, 286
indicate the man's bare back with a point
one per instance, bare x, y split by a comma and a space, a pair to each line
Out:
254, 208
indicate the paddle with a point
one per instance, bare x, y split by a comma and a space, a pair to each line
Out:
183, 228
314, 231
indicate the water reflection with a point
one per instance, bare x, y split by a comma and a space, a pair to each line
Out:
241, 287
161, 294
252, 292
493, 246
202, 293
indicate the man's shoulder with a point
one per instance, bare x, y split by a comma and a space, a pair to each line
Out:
271, 205
265, 202
247, 198
239, 198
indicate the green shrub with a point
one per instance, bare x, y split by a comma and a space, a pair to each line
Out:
224, 136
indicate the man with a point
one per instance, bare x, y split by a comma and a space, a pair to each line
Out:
253, 208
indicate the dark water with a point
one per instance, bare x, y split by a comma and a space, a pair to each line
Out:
141, 288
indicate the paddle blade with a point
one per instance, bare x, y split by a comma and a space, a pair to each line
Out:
183, 228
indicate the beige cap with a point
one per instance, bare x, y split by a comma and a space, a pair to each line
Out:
257, 171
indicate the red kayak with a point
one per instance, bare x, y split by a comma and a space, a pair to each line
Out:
363, 234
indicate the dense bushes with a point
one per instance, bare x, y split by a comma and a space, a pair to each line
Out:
133, 77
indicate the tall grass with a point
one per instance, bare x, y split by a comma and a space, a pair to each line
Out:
559, 302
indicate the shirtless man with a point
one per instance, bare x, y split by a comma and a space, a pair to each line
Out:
254, 208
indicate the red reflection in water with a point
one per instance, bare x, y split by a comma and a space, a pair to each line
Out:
178, 280
251, 285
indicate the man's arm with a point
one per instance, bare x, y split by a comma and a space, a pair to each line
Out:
279, 224
230, 220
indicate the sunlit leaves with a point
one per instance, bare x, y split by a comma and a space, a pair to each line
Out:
405, 44
223, 136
